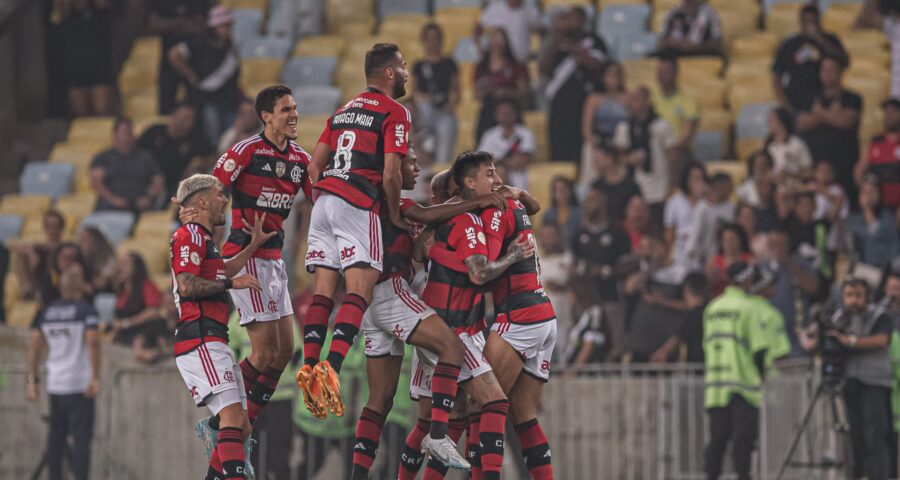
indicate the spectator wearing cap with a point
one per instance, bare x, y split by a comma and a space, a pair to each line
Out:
873, 230
795, 71
126, 177
517, 18
673, 105
211, 67
829, 123
511, 143
692, 28
883, 156
175, 21
175, 143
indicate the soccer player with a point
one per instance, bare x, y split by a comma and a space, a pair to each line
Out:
265, 173
356, 168
201, 277
397, 315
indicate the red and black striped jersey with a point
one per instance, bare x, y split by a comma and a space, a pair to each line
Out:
200, 319
398, 246
518, 294
263, 180
458, 301
358, 136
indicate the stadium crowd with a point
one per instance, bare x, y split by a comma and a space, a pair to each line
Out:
632, 248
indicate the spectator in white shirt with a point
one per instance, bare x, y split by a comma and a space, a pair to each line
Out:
510, 143
789, 152
759, 168
692, 28
517, 19
710, 213
678, 217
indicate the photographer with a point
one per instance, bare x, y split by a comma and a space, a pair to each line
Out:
860, 333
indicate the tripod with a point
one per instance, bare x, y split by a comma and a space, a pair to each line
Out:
832, 388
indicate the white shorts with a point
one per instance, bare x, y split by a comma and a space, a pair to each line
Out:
341, 236
533, 342
393, 315
212, 376
273, 301
474, 365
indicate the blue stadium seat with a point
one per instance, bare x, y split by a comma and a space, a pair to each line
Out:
708, 146
44, 178
439, 4
752, 122
10, 226
390, 7
266, 47
309, 71
616, 20
105, 304
634, 45
115, 225
282, 21
246, 24
769, 3
317, 100
466, 51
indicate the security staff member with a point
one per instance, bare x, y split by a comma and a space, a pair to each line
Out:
772, 321
735, 342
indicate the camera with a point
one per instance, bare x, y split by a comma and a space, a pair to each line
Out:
832, 352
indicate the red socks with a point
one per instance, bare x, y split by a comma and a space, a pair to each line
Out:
368, 435
490, 435
444, 383
231, 452
473, 450
411, 459
315, 327
262, 390
346, 327
535, 450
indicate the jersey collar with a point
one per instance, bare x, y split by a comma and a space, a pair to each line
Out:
287, 147
201, 226
374, 90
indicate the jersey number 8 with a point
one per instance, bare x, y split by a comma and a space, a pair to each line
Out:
344, 153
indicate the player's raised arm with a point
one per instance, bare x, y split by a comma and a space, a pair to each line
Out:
446, 211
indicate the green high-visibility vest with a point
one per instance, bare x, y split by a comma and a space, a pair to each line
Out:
772, 323
732, 333
895, 391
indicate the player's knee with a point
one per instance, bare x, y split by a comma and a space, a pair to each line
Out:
381, 401
453, 350
282, 357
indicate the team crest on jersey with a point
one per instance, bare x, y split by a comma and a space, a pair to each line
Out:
296, 174
195, 259
279, 169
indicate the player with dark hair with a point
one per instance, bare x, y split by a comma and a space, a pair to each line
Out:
356, 170
201, 278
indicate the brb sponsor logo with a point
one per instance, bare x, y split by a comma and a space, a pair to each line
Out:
315, 255
348, 253
275, 200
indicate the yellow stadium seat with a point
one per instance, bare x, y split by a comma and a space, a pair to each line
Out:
154, 251
92, 129
738, 21
541, 175
81, 153
709, 91
756, 44
744, 93
863, 40
153, 223
841, 17
77, 205
664, 5
406, 25
320, 46
25, 205
536, 121
467, 81
351, 78
468, 110
872, 89
256, 71
21, 315
147, 47
310, 128
246, 4
163, 281
871, 123
734, 168
722, 5
141, 105
457, 22
565, 3
605, 3
716, 121
745, 146
783, 18
355, 28
141, 124
465, 136
742, 68
700, 66
657, 22
12, 293
639, 72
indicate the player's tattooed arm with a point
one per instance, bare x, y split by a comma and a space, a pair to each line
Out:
192, 286
482, 271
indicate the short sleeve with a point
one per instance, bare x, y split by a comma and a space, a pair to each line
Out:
152, 297
188, 251
495, 230
852, 101
883, 325
395, 131
528, 144
100, 161
467, 236
230, 165
670, 218
325, 137
782, 58
37, 321
691, 108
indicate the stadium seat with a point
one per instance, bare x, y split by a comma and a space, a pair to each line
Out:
753, 45
259, 5
456, 4
709, 91
115, 225
467, 80
247, 23
465, 135
79, 154
738, 21
309, 71
10, 226
11, 291
536, 121
540, 177
617, 20
350, 78
75, 207
703, 66
734, 169
21, 314
750, 92
154, 223
44, 178
718, 120
310, 127
265, 47
317, 100
141, 105
255, 71
456, 25
152, 250
740, 69
387, 8
873, 89
282, 22
466, 51
322, 45
840, 17
98, 129
146, 48
753, 120
634, 45
769, 4
24, 205
745, 146
709, 146
782, 19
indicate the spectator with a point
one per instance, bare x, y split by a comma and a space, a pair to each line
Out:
564, 209
873, 229
674, 106
67, 327
678, 217
767, 210
614, 181
33, 258
789, 153
830, 198
211, 67
598, 246
883, 156
603, 110
689, 332
830, 124
885, 15
648, 142
891, 304
759, 169
510, 143
795, 71
808, 236
637, 221
99, 256
734, 247
436, 94
175, 145
175, 21
126, 177
515, 17
556, 264
571, 59
498, 75
65, 256
693, 28
136, 321
85, 37
746, 216
246, 124
711, 212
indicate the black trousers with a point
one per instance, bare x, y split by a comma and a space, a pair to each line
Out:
70, 415
737, 423
274, 434
869, 415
